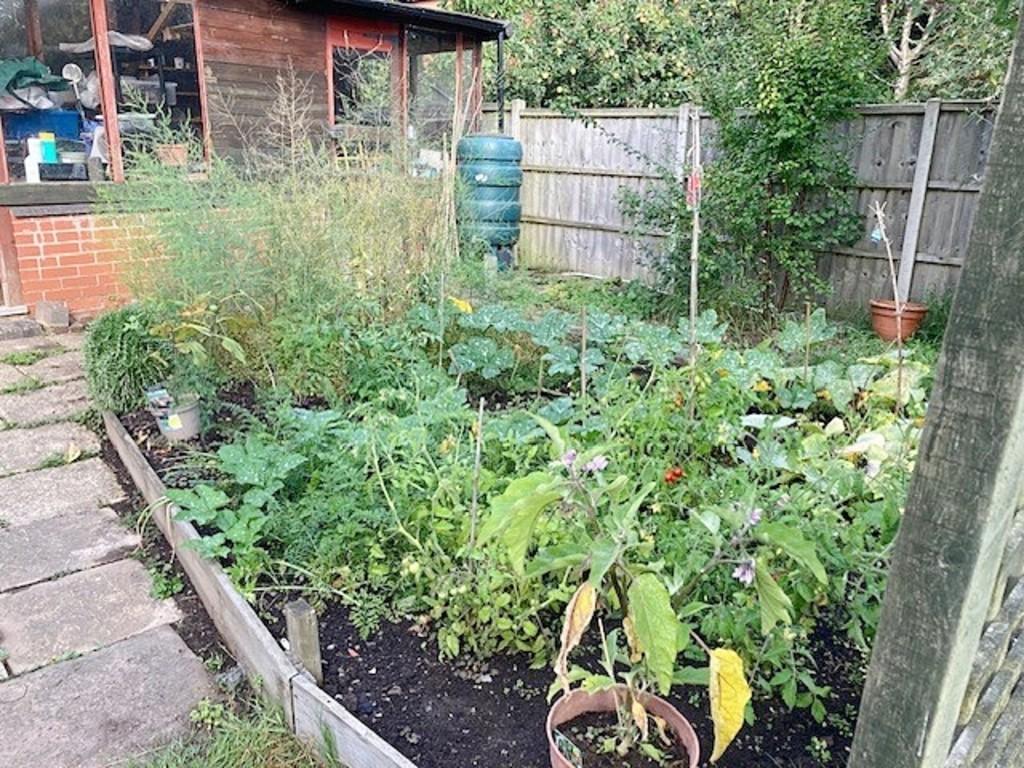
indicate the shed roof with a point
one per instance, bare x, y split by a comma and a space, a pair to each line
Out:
412, 13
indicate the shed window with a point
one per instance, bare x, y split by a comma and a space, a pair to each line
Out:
433, 95
52, 82
155, 67
48, 121
363, 98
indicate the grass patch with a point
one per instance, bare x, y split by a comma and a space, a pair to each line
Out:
30, 356
236, 742
27, 384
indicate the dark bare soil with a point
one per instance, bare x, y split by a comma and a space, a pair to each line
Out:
492, 714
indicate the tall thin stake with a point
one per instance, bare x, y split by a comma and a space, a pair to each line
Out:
583, 358
879, 211
693, 195
473, 510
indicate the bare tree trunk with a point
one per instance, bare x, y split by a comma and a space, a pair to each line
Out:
966, 483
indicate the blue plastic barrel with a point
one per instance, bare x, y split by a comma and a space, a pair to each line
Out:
490, 168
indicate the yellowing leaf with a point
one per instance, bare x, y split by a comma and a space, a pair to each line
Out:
640, 718
835, 427
578, 615
635, 654
730, 694
461, 304
663, 731
72, 454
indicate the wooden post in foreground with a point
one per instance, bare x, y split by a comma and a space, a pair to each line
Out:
965, 485
304, 637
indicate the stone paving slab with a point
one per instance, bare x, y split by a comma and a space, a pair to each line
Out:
79, 487
9, 376
25, 449
18, 328
30, 554
35, 342
60, 402
104, 708
55, 369
79, 613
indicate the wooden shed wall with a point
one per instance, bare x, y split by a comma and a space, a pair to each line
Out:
246, 45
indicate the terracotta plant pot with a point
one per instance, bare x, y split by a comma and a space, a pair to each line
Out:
883, 319
578, 703
175, 155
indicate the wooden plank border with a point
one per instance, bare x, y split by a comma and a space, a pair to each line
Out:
315, 718
250, 641
336, 733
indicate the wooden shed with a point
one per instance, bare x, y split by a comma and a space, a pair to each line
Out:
394, 76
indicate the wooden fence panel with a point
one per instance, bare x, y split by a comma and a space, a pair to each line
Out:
578, 167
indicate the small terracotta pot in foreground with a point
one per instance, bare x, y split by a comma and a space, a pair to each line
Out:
884, 321
578, 703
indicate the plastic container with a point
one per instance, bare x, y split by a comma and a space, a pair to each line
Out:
48, 147
490, 169
62, 123
178, 420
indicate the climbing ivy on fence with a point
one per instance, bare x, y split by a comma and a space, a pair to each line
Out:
778, 192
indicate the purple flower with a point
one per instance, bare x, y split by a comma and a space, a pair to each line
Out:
569, 459
744, 572
596, 464
754, 517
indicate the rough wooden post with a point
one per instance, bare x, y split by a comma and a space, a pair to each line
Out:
515, 121
918, 195
304, 637
682, 140
515, 130
965, 485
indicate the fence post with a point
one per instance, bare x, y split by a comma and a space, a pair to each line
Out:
918, 194
515, 129
515, 122
682, 140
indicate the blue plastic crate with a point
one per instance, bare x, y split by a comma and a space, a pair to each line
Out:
63, 123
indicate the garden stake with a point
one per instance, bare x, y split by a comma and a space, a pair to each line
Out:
879, 211
583, 358
473, 510
693, 197
807, 340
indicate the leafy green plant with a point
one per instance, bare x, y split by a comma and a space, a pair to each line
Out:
166, 581
776, 193
258, 470
123, 358
609, 542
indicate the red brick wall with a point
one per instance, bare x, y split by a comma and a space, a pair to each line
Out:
74, 258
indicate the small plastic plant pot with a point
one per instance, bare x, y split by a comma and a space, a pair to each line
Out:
181, 422
579, 703
885, 323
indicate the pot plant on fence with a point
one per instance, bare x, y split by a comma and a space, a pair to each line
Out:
898, 319
638, 658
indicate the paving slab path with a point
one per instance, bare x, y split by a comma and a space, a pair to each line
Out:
92, 672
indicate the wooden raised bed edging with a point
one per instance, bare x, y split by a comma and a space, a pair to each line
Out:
312, 715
